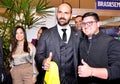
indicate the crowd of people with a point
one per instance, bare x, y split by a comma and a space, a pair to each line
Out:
83, 54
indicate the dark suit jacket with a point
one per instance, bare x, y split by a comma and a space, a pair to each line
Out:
2, 69
1, 57
49, 42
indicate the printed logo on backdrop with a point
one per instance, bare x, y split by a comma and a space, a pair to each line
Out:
108, 4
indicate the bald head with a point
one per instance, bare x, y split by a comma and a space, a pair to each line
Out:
66, 5
64, 14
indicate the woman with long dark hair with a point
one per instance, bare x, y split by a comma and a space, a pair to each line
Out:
23, 70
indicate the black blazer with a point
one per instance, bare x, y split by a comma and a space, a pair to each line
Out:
2, 69
1, 57
49, 42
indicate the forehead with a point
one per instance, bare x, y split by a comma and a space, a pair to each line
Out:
88, 18
19, 29
78, 18
40, 31
64, 8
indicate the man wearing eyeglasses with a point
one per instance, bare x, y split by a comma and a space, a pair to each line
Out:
99, 54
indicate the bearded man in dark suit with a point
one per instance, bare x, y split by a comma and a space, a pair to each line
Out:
52, 46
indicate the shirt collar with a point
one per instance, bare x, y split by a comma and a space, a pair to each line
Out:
60, 27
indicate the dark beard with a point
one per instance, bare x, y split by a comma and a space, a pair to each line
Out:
64, 23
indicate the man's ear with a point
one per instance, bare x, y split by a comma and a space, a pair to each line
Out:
98, 24
71, 16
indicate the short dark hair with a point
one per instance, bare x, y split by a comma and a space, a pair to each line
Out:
78, 16
44, 28
95, 15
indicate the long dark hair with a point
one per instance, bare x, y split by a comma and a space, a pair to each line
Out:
14, 41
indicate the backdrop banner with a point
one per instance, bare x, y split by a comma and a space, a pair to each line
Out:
108, 4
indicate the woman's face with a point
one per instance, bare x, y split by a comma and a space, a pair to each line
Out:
20, 34
39, 34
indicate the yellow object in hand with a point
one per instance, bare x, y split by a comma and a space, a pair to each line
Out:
52, 75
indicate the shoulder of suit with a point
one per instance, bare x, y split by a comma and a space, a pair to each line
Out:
48, 31
74, 29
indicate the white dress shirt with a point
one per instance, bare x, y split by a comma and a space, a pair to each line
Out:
68, 31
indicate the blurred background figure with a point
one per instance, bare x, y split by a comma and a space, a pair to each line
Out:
35, 41
2, 68
78, 21
119, 32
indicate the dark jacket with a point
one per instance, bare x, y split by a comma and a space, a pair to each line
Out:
2, 68
49, 42
102, 51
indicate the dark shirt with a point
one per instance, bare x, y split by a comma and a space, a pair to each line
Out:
34, 42
102, 52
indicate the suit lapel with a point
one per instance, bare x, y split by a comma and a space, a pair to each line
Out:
56, 41
75, 42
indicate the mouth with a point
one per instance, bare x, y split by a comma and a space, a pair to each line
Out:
86, 29
62, 19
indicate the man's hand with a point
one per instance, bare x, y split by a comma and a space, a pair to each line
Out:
84, 70
46, 62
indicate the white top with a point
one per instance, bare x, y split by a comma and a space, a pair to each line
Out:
21, 57
68, 31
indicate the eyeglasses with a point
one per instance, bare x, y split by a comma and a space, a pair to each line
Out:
90, 23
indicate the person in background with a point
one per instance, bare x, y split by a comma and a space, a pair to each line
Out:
2, 68
78, 21
22, 52
118, 32
60, 44
99, 54
40, 76
119, 29
35, 41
